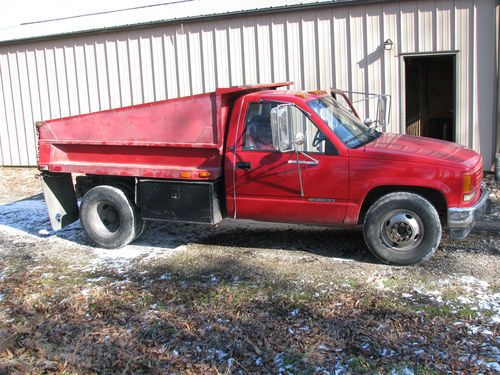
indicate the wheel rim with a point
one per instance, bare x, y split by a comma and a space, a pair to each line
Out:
402, 230
106, 218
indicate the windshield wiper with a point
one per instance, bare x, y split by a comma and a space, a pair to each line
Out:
357, 137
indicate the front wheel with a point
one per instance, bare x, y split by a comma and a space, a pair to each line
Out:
402, 228
109, 217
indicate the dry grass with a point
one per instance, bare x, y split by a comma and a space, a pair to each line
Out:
62, 321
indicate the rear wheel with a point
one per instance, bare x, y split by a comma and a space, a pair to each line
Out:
402, 228
109, 217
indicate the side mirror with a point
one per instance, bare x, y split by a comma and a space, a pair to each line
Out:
382, 109
281, 128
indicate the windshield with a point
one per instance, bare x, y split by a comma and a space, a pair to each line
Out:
348, 128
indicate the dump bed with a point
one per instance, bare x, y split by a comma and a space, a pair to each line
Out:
177, 138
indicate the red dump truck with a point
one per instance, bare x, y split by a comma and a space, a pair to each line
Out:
256, 152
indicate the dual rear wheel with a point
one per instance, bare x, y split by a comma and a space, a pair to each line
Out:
110, 218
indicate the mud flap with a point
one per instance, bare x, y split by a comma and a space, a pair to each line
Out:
60, 198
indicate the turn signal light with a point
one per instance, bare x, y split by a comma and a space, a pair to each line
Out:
204, 174
468, 187
467, 184
186, 174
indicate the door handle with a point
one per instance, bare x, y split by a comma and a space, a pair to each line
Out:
306, 162
243, 165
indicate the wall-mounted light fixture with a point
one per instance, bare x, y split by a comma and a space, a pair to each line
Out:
388, 44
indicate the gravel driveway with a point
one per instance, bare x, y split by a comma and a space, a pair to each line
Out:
457, 290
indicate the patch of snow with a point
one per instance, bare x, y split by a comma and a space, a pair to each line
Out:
165, 276
214, 279
471, 280
365, 346
175, 353
478, 329
402, 371
96, 280
387, 352
2, 297
294, 313
283, 368
406, 295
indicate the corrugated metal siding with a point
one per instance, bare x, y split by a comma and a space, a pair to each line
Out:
341, 47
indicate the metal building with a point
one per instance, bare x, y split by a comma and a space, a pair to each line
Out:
438, 59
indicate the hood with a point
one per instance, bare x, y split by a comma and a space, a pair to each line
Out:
423, 150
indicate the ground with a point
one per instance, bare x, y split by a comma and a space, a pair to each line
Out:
239, 298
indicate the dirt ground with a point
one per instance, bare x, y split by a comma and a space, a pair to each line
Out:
239, 297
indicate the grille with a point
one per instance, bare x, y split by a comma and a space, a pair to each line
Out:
479, 176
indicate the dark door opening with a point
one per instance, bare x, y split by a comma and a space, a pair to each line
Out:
430, 96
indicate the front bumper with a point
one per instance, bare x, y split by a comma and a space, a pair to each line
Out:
462, 220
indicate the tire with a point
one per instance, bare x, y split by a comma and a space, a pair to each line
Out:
109, 217
402, 228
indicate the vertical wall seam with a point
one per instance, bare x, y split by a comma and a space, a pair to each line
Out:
316, 50
256, 36
67, 80
301, 56
216, 73
127, 45
164, 58
141, 72
32, 124
77, 82
5, 110
202, 61
176, 60
38, 84
153, 74
16, 123
189, 62
333, 81
285, 41
366, 85
86, 74
97, 78
57, 82
107, 72
349, 57
25, 134
471, 71
47, 80
271, 54
382, 59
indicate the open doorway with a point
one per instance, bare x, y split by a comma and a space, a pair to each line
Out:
430, 96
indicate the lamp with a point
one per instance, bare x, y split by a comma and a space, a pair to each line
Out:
388, 44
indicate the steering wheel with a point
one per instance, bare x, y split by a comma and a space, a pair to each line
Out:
318, 138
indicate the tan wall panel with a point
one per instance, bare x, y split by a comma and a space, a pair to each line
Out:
337, 46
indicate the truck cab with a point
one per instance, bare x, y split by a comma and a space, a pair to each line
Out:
259, 153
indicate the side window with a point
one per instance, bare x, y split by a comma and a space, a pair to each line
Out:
314, 139
258, 135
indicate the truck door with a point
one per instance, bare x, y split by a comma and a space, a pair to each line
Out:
267, 184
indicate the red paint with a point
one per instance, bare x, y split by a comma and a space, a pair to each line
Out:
202, 135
